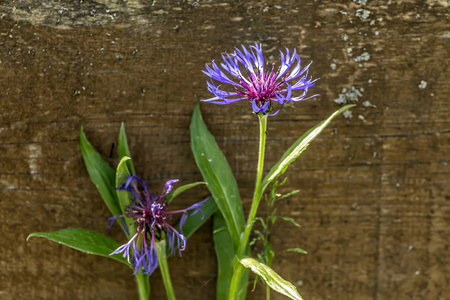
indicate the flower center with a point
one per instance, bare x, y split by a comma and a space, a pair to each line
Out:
153, 214
261, 86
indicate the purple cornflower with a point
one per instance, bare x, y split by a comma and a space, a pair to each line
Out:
260, 84
149, 212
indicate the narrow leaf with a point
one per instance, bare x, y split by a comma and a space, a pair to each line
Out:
225, 255
102, 175
84, 240
123, 148
291, 220
297, 148
218, 176
263, 223
181, 189
259, 233
298, 250
269, 254
289, 194
254, 240
271, 278
194, 222
122, 173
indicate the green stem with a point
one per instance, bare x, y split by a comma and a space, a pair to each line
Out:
164, 268
258, 192
238, 268
267, 292
143, 286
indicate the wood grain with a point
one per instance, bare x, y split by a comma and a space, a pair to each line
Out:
374, 202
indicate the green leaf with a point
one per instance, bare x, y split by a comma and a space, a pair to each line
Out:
218, 176
254, 240
272, 279
274, 219
289, 194
102, 175
123, 148
259, 233
297, 148
225, 255
291, 220
298, 250
269, 254
263, 223
122, 173
84, 240
181, 189
194, 222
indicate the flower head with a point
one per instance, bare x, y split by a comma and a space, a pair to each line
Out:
149, 212
260, 83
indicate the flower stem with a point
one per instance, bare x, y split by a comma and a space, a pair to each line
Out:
258, 192
238, 269
164, 268
143, 286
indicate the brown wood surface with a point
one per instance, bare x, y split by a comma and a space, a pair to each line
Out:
374, 202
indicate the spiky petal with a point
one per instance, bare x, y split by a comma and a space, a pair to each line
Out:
260, 83
149, 212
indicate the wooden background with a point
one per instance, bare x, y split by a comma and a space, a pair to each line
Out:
374, 203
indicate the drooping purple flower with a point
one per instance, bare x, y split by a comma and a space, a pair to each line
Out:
149, 212
257, 82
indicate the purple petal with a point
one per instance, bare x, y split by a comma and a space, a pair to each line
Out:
275, 113
131, 187
255, 107
112, 219
265, 107
198, 207
296, 71
168, 187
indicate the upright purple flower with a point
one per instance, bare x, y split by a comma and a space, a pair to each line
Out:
258, 82
149, 212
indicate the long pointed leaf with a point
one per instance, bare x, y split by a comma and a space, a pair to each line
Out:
225, 260
271, 278
122, 173
218, 176
102, 175
297, 148
123, 148
181, 189
225, 255
84, 240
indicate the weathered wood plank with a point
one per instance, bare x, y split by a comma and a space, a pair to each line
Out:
374, 201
